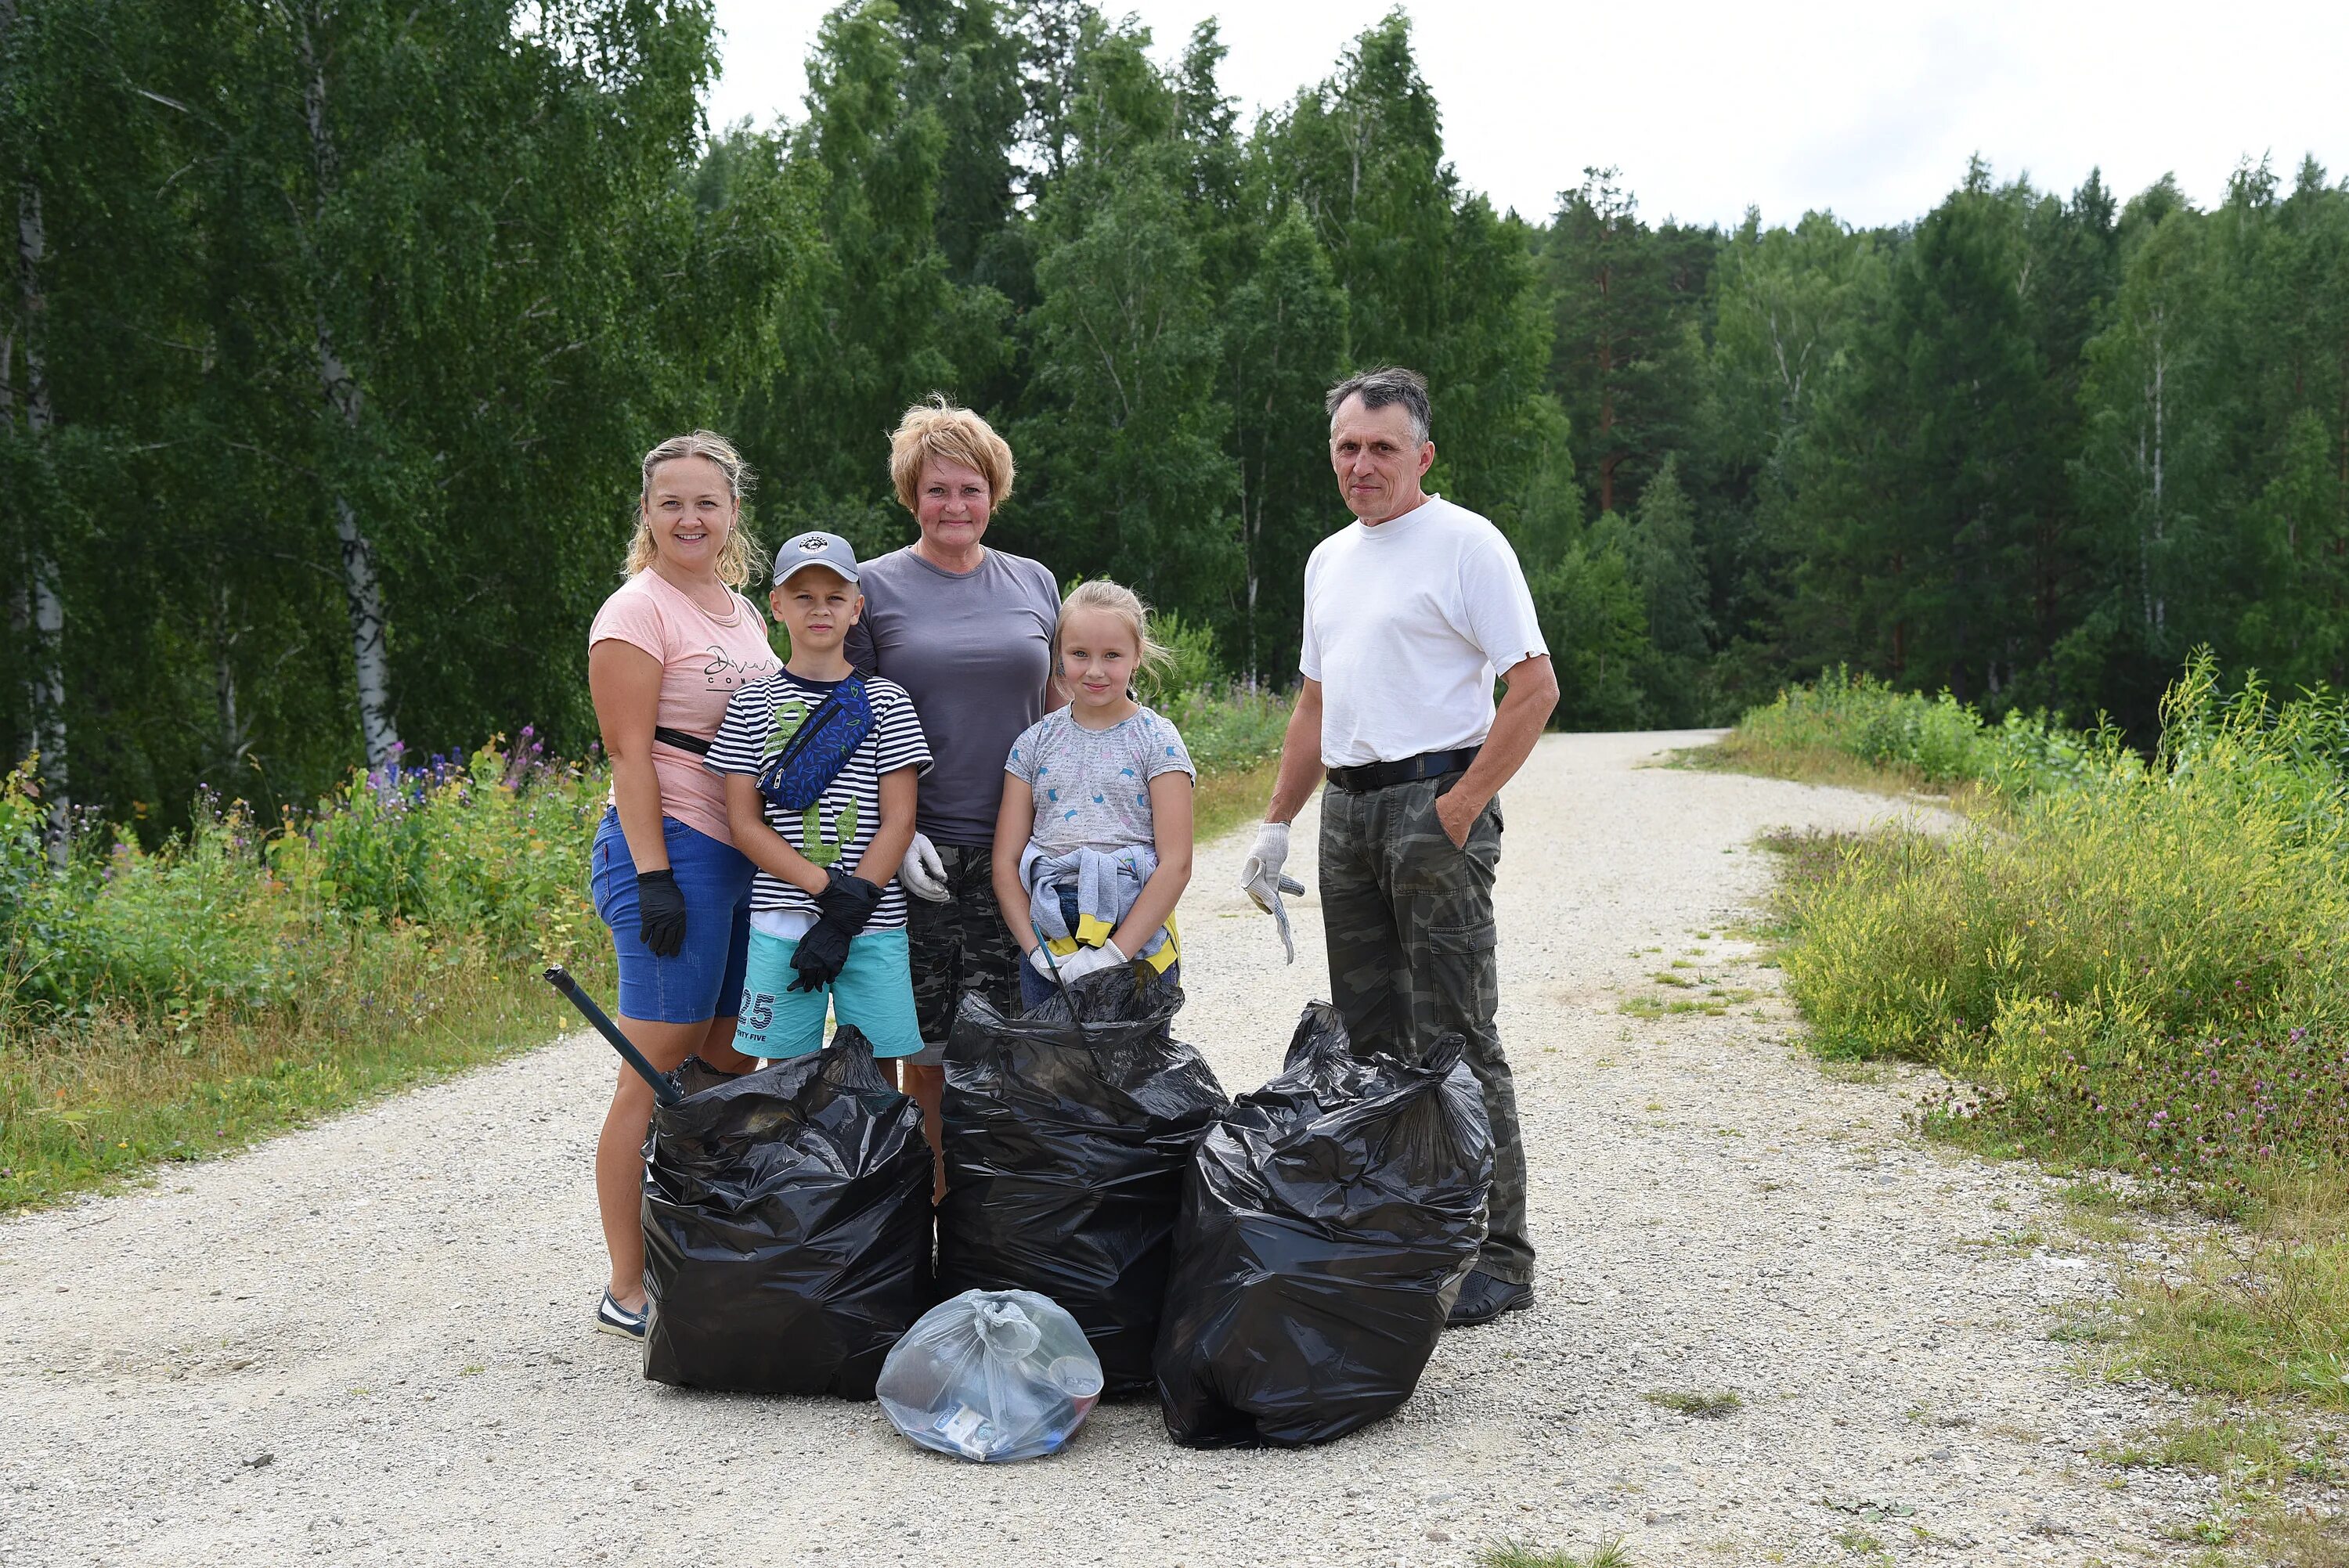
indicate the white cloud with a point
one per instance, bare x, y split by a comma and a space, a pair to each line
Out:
1868, 108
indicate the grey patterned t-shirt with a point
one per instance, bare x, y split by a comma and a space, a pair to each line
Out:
1093, 786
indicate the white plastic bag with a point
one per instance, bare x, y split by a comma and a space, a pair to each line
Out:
993, 1376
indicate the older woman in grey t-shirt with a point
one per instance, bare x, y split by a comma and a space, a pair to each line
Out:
967, 632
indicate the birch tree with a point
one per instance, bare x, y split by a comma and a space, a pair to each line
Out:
27, 410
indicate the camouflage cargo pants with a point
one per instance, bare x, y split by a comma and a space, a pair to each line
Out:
957, 946
1408, 917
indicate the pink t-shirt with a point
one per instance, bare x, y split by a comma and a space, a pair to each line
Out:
703, 660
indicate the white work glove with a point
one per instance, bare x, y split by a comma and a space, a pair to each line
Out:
1260, 873
1087, 960
922, 873
1040, 959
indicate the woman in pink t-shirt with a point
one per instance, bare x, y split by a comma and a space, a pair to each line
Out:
664, 654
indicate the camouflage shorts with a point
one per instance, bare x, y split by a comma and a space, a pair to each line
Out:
959, 946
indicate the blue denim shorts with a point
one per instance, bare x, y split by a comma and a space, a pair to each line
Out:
704, 977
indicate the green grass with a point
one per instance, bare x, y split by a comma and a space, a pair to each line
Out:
2138, 971
1855, 730
2125, 963
2262, 1314
2257, 1455
1226, 802
1510, 1555
1233, 734
1700, 1403
248, 978
116, 1095
2291, 1540
1229, 728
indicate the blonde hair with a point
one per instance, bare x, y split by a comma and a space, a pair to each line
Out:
740, 558
938, 429
1150, 656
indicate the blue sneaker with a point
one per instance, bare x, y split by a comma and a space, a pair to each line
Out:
611, 1317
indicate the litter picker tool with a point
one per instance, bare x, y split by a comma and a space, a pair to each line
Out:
1044, 946
663, 1092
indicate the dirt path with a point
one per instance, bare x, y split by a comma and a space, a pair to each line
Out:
368, 1343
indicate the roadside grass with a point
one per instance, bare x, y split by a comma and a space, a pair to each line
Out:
2255, 1454
2296, 1540
2264, 1313
247, 977
1511, 1555
1857, 731
250, 977
1801, 763
1233, 731
2133, 965
116, 1095
1226, 801
1700, 1403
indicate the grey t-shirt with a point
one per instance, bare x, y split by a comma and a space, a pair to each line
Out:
1093, 786
974, 650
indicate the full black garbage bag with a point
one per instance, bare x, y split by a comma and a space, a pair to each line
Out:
1327, 1225
787, 1226
1067, 1141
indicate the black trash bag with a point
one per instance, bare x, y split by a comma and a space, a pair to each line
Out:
787, 1226
1328, 1224
1067, 1142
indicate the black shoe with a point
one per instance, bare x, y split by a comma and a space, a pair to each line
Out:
1483, 1298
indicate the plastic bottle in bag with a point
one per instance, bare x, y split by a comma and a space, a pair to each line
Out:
992, 1375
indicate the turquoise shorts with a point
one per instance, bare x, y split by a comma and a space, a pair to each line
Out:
873, 991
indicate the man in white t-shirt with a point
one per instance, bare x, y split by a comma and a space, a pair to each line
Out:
1409, 613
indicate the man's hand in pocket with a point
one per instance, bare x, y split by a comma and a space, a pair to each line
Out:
1458, 813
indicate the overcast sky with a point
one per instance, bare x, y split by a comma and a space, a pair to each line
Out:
1866, 107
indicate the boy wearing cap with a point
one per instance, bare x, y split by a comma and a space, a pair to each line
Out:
819, 765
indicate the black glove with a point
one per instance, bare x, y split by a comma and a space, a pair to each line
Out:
820, 955
842, 909
660, 913
850, 900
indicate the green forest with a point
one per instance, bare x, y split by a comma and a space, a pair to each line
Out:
337, 329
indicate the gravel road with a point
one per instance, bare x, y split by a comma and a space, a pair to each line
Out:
369, 1342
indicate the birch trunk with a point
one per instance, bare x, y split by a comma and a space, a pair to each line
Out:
362, 585
45, 600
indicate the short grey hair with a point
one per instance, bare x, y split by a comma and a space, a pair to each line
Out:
1388, 384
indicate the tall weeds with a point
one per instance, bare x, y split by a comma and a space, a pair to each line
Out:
2140, 966
1909, 739
2137, 967
247, 975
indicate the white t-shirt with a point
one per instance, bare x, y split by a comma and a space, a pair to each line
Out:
1406, 624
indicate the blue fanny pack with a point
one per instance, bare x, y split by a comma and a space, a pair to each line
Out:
796, 776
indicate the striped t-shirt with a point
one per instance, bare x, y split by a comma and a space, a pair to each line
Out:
838, 828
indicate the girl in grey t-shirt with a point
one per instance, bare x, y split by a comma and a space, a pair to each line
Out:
1096, 805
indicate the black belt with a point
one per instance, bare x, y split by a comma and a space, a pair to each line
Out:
681, 741
1410, 770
